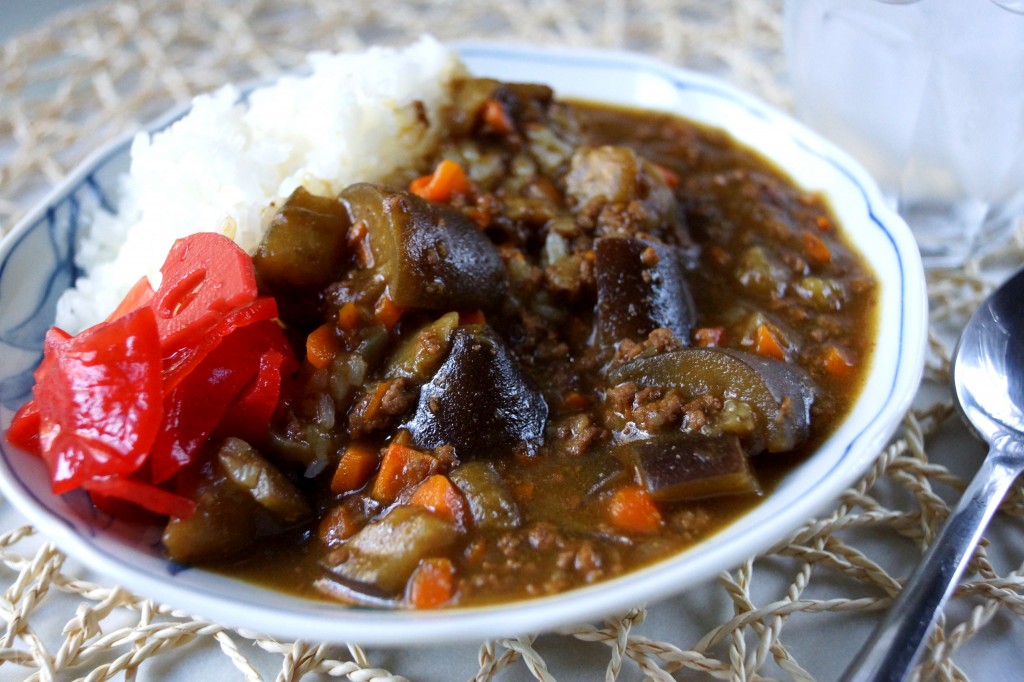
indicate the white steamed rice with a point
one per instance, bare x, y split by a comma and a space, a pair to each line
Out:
219, 168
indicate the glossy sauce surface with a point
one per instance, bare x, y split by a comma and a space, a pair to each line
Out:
551, 341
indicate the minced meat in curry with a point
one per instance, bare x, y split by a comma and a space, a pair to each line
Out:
579, 340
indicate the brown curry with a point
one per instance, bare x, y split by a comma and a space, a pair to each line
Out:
590, 339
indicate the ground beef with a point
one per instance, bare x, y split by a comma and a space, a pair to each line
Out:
577, 434
380, 407
534, 561
659, 341
572, 276
654, 409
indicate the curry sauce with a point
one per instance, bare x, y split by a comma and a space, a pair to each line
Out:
578, 340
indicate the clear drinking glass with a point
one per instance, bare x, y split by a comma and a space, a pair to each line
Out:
929, 96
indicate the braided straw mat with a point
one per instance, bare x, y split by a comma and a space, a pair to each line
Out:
797, 612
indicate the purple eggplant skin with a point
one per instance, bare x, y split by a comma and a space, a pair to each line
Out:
641, 286
305, 248
684, 466
429, 256
305, 245
479, 401
378, 560
780, 394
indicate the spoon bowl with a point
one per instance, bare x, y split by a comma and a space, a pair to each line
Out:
988, 381
988, 368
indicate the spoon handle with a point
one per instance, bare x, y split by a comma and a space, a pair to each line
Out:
893, 647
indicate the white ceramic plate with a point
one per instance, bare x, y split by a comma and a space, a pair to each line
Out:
36, 264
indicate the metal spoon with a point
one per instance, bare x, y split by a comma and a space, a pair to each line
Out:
988, 379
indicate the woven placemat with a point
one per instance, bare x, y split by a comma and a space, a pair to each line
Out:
90, 75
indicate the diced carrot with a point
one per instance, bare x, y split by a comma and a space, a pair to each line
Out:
670, 177
403, 437
431, 584
338, 525
438, 494
321, 345
401, 469
354, 468
816, 248
357, 232
481, 218
496, 118
359, 242
708, 337
447, 180
373, 406
349, 317
632, 509
386, 312
837, 362
767, 344
574, 401
475, 316
822, 223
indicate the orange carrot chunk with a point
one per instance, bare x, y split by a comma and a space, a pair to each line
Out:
401, 469
439, 495
386, 312
447, 180
670, 177
766, 343
321, 345
359, 242
708, 337
632, 510
837, 362
338, 525
431, 584
816, 248
496, 118
355, 468
349, 317
574, 402
475, 316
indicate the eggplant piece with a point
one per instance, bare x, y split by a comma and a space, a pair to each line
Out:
521, 101
641, 286
490, 503
416, 359
690, 466
468, 97
780, 394
429, 256
479, 401
420, 354
225, 521
248, 469
304, 247
378, 560
239, 497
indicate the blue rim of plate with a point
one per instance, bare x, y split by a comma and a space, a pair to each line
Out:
59, 214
